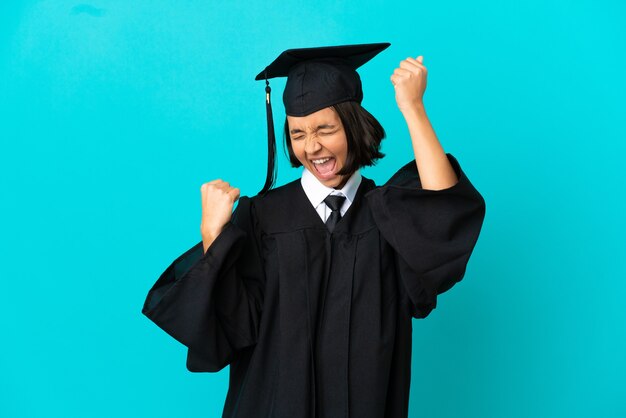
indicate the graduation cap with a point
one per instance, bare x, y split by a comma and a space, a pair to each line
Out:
316, 78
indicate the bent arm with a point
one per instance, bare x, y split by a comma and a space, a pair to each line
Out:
409, 81
211, 302
432, 232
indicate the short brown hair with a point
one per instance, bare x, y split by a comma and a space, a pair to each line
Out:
363, 133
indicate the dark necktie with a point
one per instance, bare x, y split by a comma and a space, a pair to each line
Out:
334, 202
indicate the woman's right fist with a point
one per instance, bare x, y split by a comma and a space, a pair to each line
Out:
218, 199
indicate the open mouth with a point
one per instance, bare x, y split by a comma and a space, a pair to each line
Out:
325, 167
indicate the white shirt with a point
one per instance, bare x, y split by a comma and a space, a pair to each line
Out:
317, 192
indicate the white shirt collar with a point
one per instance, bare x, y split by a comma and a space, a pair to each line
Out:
317, 192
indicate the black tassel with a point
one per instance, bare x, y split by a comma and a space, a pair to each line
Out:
271, 142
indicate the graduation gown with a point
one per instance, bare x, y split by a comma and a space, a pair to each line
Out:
316, 324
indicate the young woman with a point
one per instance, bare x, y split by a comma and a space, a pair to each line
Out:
308, 290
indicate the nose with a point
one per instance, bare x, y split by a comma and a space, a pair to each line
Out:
311, 146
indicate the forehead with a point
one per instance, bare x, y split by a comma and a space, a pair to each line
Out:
325, 116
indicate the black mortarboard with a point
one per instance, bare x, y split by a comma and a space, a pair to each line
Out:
316, 78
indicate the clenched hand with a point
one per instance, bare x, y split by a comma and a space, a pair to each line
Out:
409, 82
218, 199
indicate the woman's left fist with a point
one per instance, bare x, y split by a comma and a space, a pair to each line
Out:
409, 81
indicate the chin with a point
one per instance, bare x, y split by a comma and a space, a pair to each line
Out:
334, 182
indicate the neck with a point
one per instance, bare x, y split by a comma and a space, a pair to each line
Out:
343, 182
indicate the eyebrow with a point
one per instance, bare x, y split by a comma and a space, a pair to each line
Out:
324, 126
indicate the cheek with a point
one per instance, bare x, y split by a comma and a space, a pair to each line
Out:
298, 149
340, 148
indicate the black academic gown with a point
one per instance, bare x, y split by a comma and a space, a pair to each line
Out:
315, 324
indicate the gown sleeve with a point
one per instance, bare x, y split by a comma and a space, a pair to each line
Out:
211, 302
432, 232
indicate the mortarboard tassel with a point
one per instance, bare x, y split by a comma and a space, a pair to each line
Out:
271, 140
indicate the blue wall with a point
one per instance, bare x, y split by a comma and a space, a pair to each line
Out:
113, 113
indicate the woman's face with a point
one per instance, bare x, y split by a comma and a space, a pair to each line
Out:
319, 142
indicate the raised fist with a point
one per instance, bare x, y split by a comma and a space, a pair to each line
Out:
409, 82
218, 199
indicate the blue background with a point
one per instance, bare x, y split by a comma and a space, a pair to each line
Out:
113, 113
